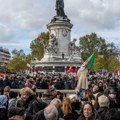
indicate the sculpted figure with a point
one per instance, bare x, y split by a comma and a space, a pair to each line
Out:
51, 46
60, 8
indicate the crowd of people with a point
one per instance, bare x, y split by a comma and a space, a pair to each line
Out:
100, 102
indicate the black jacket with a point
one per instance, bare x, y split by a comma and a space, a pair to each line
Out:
113, 103
102, 111
32, 106
39, 116
70, 116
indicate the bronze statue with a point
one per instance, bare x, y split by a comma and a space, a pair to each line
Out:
60, 8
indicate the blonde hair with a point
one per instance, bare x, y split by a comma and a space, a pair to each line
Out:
7, 91
27, 91
66, 106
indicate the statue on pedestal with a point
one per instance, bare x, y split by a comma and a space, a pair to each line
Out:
60, 14
60, 8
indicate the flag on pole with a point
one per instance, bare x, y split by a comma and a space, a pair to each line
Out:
43, 68
70, 70
87, 64
29, 67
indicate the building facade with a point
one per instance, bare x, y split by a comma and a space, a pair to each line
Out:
4, 56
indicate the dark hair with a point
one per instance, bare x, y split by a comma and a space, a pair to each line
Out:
16, 111
89, 104
84, 99
13, 94
1, 91
112, 91
96, 104
112, 114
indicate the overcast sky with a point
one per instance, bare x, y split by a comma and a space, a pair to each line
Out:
22, 20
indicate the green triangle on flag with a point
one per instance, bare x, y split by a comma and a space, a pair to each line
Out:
88, 63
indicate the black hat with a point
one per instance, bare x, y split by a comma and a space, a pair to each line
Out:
112, 91
84, 99
16, 111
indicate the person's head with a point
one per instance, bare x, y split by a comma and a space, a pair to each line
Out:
56, 102
51, 112
53, 91
13, 94
112, 93
95, 89
96, 104
100, 84
106, 91
66, 106
6, 91
89, 94
103, 101
46, 93
16, 113
26, 93
88, 110
84, 100
112, 114
59, 95
73, 97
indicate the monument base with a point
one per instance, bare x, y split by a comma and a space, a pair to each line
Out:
58, 65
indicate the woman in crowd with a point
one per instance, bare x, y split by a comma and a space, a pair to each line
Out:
30, 103
90, 96
76, 105
67, 110
88, 112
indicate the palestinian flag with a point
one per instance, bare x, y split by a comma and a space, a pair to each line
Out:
87, 64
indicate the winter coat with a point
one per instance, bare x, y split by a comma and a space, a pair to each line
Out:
70, 116
12, 103
3, 114
113, 102
39, 116
95, 116
32, 106
3, 107
102, 111
83, 80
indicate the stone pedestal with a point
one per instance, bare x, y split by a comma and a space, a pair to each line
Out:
62, 30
